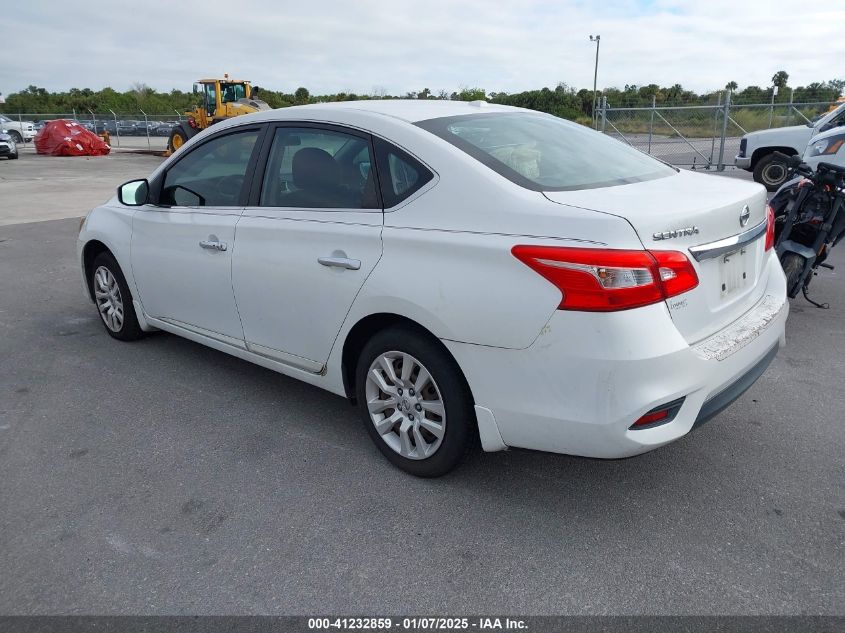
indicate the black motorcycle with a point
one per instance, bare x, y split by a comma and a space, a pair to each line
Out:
809, 220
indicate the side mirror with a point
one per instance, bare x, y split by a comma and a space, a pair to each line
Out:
134, 193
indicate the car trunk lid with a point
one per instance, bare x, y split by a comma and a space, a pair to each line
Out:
704, 217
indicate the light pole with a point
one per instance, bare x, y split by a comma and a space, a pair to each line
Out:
597, 40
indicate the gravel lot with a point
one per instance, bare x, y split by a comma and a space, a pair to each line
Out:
165, 477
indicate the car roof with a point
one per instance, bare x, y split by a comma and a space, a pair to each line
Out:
410, 110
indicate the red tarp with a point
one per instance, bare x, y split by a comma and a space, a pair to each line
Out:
68, 138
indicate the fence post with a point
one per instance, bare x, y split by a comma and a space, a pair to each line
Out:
715, 127
116, 129
603, 113
726, 114
147, 128
789, 109
651, 124
772, 107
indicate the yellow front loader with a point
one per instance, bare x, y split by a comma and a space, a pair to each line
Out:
219, 99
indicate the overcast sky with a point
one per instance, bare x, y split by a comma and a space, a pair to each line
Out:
366, 45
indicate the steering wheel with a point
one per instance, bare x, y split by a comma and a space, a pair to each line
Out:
230, 186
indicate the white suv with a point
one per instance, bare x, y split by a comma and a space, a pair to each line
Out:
20, 131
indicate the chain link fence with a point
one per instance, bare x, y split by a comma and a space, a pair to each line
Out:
696, 136
701, 136
126, 130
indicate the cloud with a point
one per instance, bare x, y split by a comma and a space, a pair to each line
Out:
355, 46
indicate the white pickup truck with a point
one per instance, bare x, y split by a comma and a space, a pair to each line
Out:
756, 148
20, 131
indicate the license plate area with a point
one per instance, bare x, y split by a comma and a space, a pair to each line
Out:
734, 272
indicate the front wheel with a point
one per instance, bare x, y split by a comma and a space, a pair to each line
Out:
16, 136
415, 402
113, 299
793, 267
178, 137
770, 172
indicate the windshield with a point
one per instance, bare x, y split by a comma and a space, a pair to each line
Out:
232, 92
545, 153
836, 117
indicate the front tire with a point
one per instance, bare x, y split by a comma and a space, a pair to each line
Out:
16, 136
178, 137
770, 172
415, 402
113, 299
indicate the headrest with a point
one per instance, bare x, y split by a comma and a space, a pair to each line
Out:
314, 168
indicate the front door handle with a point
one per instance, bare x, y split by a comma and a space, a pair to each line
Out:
340, 262
213, 245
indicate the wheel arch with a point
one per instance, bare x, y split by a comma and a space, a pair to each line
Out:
364, 329
90, 251
765, 151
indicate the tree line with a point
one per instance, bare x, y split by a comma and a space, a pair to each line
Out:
563, 100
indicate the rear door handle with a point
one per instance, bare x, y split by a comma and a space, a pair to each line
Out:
340, 262
213, 245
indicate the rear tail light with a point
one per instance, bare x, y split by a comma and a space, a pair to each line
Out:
606, 280
770, 227
658, 416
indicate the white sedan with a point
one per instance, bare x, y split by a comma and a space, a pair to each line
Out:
464, 272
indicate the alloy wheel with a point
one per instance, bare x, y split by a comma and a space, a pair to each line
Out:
405, 405
108, 298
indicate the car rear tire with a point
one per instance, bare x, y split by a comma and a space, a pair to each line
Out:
770, 172
113, 299
793, 266
415, 402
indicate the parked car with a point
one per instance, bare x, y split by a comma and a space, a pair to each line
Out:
828, 147
20, 131
163, 128
756, 149
127, 128
8, 147
461, 271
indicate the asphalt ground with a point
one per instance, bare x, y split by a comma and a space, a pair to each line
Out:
163, 477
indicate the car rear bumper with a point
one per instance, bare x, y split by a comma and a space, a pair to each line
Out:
743, 162
589, 376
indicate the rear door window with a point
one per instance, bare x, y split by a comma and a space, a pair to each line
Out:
319, 168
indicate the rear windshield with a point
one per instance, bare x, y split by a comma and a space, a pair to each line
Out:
545, 153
